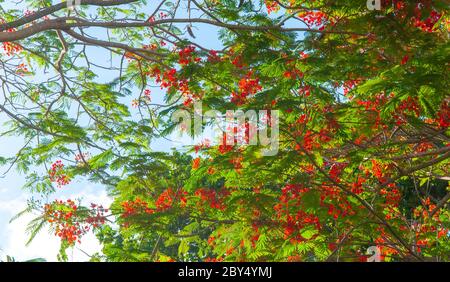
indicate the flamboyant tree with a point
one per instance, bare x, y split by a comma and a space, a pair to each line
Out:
363, 108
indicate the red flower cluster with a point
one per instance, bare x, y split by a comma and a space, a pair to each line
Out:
57, 174
137, 206
422, 147
405, 59
444, 114
377, 171
289, 212
428, 24
147, 93
213, 259
407, 106
414, 10
10, 48
430, 226
247, 86
293, 74
185, 55
213, 57
303, 119
167, 198
97, 217
308, 143
336, 170
350, 84
324, 135
22, 69
82, 158
152, 46
271, 6
237, 62
392, 195
70, 225
303, 55
237, 163
357, 186
337, 204
165, 201
196, 163
305, 90
213, 197
170, 81
314, 18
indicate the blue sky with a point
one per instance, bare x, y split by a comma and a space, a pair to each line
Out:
13, 198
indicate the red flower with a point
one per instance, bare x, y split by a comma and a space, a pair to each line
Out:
405, 60
357, 186
196, 163
247, 86
165, 200
58, 175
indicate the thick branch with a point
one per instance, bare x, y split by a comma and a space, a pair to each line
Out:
69, 22
57, 7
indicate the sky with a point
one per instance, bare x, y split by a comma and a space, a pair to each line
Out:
13, 198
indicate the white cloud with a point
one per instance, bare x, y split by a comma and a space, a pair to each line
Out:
44, 245
13, 236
